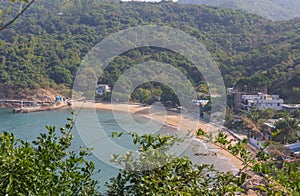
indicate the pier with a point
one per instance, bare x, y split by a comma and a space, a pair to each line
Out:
27, 106
39, 109
25, 102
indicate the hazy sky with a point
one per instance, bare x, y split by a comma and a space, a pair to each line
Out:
146, 0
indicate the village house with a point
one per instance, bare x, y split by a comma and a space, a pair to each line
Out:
258, 139
291, 107
261, 101
102, 88
293, 149
269, 127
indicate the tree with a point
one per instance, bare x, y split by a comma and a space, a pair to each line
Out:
286, 130
85, 82
5, 21
267, 113
155, 172
296, 113
282, 114
168, 97
254, 113
60, 75
45, 167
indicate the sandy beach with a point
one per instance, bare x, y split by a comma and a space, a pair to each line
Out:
184, 122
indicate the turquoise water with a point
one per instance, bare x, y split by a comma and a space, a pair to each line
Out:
29, 126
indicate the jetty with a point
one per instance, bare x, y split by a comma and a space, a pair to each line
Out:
25, 102
27, 106
40, 108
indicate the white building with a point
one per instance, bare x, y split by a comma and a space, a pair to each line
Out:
230, 91
291, 107
257, 141
102, 88
261, 101
293, 149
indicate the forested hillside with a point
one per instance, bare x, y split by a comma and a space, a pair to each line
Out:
271, 9
44, 48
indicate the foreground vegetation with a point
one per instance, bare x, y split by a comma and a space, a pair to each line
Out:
47, 167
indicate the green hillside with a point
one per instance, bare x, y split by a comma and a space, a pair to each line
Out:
44, 48
271, 9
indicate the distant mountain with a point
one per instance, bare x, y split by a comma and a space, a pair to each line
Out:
271, 9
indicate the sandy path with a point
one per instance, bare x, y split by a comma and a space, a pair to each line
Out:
183, 122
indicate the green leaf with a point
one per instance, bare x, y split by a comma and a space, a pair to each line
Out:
262, 188
113, 134
243, 178
120, 134
200, 132
10, 183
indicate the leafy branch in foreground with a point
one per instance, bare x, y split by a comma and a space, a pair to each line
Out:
153, 171
156, 172
277, 178
45, 167
4, 22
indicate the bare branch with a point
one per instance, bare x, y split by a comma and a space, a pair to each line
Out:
15, 18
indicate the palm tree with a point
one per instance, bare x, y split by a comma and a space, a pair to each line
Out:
288, 128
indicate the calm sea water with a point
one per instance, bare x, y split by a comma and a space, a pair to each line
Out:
29, 126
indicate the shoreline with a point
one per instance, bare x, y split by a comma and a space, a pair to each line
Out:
179, 121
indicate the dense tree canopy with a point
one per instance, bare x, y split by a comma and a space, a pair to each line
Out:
45, 46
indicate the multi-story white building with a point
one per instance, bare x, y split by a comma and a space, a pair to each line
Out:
261, 101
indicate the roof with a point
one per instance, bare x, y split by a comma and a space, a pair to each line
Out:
293, 147
291, 106
270, 125
263, 98
271, 122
